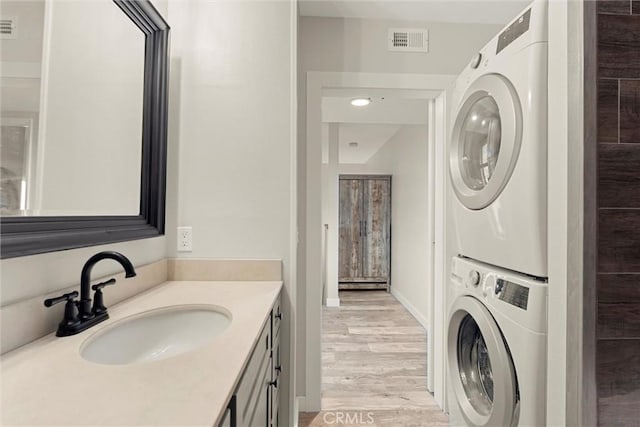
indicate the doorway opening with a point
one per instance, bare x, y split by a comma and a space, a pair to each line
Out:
374, 350
324, 177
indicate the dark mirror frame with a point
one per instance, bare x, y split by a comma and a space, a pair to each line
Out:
22, 236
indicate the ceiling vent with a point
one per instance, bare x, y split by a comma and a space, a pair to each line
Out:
8, 27
408, 40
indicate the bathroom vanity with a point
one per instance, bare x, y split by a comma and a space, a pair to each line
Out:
255, 401
231, 380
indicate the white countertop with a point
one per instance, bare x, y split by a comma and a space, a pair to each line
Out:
48, 383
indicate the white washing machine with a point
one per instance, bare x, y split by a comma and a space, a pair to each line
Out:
498, 148
496, 347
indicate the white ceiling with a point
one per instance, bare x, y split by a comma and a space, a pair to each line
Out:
370, 139
382, 110
371, 126
458, 11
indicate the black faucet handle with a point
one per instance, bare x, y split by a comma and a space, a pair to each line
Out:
98, 298
66, 297
70, 311
101, 285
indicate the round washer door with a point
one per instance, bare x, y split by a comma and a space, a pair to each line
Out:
485, 140
480, 366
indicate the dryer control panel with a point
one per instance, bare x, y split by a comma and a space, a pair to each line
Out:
513, 31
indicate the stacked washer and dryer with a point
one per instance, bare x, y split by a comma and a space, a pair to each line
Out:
497, 296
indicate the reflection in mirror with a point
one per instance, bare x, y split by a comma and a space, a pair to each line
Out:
84, 124
15, 165
71, 109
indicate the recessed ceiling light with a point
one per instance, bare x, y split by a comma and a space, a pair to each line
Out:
360, 102
353, 144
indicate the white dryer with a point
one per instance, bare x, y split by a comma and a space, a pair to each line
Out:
496, 347
498, 148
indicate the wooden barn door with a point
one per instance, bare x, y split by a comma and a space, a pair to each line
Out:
350, 216
365, 231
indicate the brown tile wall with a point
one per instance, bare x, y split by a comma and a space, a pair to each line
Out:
618, 326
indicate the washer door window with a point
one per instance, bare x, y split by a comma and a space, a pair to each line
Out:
485, 141
480, 366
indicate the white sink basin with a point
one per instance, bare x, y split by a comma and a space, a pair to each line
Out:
156, 335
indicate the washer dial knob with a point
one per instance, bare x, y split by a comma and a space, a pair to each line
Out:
473, 279
475, 62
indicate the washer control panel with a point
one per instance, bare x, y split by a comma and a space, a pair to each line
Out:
512, 293
523, 299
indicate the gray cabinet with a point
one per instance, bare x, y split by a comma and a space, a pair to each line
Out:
226, 419
365, 230
255, 401
276, 367
252, 392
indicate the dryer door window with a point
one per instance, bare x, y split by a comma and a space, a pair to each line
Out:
481, 370
485, 141
480, 139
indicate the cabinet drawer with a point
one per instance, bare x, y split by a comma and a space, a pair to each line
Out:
226, 420
257, 371
276, 376
276, 318
274, 419
258, 414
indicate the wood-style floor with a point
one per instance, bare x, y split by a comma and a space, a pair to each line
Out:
374, 373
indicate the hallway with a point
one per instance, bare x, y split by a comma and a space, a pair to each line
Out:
373, 365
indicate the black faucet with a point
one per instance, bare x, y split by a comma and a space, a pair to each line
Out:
80, 315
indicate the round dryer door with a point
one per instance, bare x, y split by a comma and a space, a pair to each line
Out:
485, 141
480, 367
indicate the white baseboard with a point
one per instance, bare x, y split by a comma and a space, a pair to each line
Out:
303, 406
411, 309
333, 302
425, 324
296, 411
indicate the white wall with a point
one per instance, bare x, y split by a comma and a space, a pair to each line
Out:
330, 207
89, 149
337, 44
233, 87
404, 157
233, 170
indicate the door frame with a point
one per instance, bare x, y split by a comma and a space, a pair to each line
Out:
572, 213
317, 82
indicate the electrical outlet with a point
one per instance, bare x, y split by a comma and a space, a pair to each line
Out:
185, 239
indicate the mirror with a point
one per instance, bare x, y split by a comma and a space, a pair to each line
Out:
83, 123
86, 158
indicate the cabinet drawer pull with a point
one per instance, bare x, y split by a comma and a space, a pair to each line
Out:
278, 368
274, 383
279, 316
